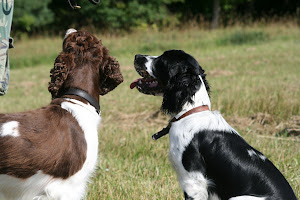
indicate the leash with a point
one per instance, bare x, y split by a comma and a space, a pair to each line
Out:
166, 130
74, 4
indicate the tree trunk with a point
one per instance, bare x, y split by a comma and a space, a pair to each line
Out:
216, 14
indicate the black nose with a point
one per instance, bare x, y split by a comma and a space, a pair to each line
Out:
140, 60
138, 56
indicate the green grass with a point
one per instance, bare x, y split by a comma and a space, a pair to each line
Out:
243, 37
258, 73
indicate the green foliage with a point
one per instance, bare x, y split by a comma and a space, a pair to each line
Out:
31, 14
119, 15
111, 14
235, 11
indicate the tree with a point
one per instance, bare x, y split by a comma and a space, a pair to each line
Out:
31, 14
216, 14
113, 14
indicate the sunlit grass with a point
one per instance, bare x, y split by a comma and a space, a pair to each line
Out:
245, 78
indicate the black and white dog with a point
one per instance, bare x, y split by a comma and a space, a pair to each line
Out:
211, 159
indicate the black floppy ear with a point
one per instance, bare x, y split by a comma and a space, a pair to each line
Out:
110, 76
179, 90
59, 73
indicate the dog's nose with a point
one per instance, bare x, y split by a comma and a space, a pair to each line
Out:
140, 60
137, 56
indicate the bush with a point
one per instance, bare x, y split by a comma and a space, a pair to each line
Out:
112, 15
31, 14
118, 15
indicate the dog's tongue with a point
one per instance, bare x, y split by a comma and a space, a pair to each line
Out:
133, 84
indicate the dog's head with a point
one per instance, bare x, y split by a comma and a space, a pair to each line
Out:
83, 63
175, 75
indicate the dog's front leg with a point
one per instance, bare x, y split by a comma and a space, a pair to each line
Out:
194, 186
187, 197
191, 174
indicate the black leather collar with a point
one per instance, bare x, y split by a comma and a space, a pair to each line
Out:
85, 95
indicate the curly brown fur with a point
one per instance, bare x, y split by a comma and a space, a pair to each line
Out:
59, 73
111, 76
82, 49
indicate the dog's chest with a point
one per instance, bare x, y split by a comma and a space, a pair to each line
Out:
179, 140
88, 121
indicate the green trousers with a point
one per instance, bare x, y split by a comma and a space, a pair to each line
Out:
6, 14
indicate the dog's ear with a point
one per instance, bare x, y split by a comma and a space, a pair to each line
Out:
59, 73
179, 90
110, 76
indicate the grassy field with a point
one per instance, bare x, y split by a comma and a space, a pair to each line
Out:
254, 75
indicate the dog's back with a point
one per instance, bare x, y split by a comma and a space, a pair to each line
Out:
48, 153
51, 152
211, 160
227, 164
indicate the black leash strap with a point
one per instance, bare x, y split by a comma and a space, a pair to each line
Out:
161, 133
74, 4
95, 2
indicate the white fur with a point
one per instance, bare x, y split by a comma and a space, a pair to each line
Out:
13, 188
213, 197
149, 65
41, 186
247, 198
69, 31
183, 131
193, 183
201, 97
253, 154
10, 129
181, 134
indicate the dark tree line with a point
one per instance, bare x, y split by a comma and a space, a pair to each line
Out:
114, 15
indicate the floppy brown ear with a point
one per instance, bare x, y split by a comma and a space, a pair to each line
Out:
110, 76
59, 73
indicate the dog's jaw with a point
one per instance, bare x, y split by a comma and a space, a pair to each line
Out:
148, 84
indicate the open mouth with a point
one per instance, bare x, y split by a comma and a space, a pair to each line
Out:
147, 85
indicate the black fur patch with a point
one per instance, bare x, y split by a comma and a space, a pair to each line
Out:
223, 158
179, 73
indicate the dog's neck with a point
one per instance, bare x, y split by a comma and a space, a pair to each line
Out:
201, 103
86, 80
86, 96
200, 98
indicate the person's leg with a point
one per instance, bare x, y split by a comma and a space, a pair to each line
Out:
6, 14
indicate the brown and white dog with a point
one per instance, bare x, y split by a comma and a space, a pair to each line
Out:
51, 152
